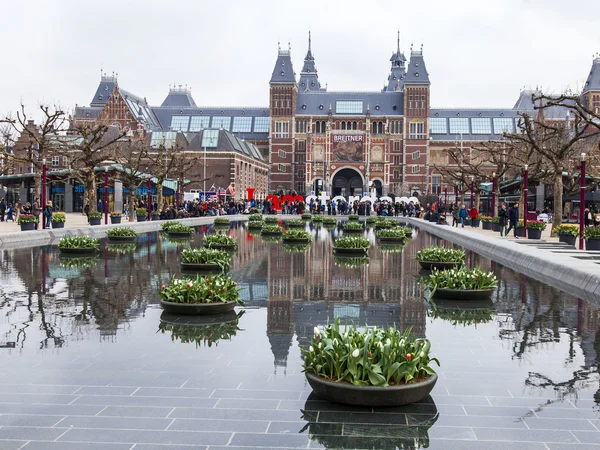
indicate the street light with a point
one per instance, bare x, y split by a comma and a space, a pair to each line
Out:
149, 198
43, 205
105, 195
581, 201
472, 187
494, 194
204, 183
525, 199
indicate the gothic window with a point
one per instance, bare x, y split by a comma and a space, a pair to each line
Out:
354, 125
343, 125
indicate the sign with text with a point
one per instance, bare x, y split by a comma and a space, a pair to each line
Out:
347, 147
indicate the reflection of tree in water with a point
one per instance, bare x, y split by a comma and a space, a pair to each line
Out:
405, 427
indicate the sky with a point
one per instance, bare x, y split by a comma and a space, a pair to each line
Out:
478, 53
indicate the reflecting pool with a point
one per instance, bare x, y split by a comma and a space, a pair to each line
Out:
88, 356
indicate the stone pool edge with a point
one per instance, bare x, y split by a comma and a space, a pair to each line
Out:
579, 278
26, 239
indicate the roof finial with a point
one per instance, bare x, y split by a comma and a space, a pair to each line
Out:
398, 40
411, 47
309, 49
278, 45
289, 46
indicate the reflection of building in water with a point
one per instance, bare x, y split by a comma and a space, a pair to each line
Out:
308, 289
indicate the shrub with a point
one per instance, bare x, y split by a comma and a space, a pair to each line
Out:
296, 234
573, 230
26, 218
462, 278
441, 254
59, 217
121, 232
95, 215
352, 242
375, 356
591, 232
209, 289
206, 256
536, 225
219, 239
141, 212
78, 242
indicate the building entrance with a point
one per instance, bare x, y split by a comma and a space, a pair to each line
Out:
347, 182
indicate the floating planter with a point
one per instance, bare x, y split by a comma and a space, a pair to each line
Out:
220, 241
213, 294
306, 216
121, 234
255, 224
272, 220
78, 245
205, 259
383, 223
296, 237
353, 217
345, 261
255, 218
330, 222
372, 220
317, 218
221, 222
462, 284
295, 223
440, 258
121, 248
391, 248
271, 238
201, 330
351, 245
395, 235
352, 227
375, 367
177, 229
271, 230
462, 313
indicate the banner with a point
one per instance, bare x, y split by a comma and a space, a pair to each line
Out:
347, 147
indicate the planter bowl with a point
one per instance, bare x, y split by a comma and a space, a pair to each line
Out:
114, 220
197, 308
353, 231
295, 240
221, 246
592, 244
271, 233
430, 265
255, 227
533, 233
350, 251
95, 221
58, 224
28, 226
141, 218
296, 225
179, 233
486, 225
371, 395
77, 251
122, 239
392, 240
460, 294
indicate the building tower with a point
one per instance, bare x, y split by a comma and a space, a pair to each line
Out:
415, 157
282, 106
398, 72
591, 90
309, 79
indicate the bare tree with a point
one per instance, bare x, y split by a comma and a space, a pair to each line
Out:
42, 140
131, 155
91, 146
555, 141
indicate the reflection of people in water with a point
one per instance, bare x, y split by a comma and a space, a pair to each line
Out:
348, 151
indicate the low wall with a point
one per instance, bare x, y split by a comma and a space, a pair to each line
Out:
24, 239
580, 278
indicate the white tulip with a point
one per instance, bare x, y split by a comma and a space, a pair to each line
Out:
317, 331
355, 353
311, 349
320, 345
388, 342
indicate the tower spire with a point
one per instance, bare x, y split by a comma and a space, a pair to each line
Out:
309, 43
398, 47
309, 80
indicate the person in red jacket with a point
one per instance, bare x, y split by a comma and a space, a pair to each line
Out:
473, 214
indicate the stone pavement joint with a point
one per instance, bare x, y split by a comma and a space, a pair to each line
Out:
578, 277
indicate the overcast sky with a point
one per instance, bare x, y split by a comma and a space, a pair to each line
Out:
478, 53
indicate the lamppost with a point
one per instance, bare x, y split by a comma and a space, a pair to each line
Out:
525, 199
494, 181
105, 195
149, 198
446, 199
472, 187
204, 177
43, 205
581, 201
456, 195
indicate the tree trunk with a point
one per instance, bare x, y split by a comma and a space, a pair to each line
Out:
90, 190
131, 202
558, 204
37, 186
498, 203
159, 195
477, 201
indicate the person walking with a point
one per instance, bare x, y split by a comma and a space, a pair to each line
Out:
48, 213
455, 218
513, 218
462, 214
503, 219
36, 210
2, 209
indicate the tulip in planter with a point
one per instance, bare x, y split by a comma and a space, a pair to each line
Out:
27, 222
58, 220
535, 228
95, 217
566, 233
115, 217
592, 238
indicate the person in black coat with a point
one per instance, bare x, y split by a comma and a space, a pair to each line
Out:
513, 218
503, 220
